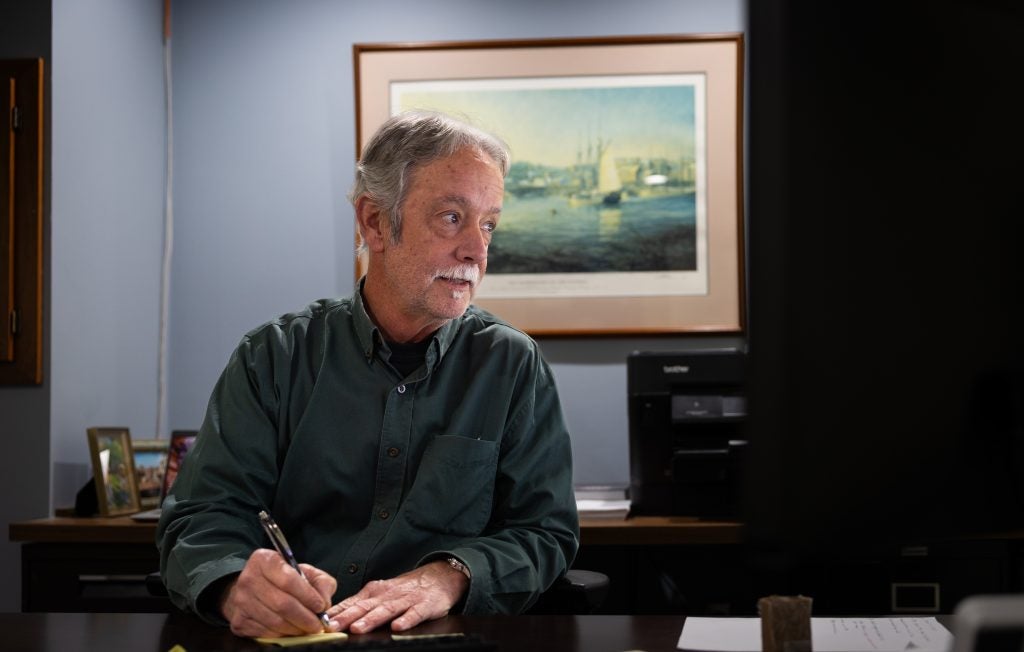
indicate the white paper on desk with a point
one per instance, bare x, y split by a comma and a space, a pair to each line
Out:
891, 634
598, 508
721, 634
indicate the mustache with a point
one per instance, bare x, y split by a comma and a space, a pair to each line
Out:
469, 273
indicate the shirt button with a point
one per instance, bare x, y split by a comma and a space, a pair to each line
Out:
383, 514
393, 452
401, 389
353, 569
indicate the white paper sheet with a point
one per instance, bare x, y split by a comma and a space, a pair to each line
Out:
890, 634
592, 508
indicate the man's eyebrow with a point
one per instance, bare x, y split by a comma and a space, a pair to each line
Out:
452, 199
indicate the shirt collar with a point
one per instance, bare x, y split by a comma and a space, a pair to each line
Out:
371, 339
367, 332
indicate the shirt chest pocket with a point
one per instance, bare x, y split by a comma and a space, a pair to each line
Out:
454, 486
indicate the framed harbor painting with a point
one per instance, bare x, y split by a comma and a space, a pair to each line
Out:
622, 210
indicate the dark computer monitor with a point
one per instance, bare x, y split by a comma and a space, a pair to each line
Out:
886, 271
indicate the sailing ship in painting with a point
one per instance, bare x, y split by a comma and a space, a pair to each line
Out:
602, 213
600, 178
606, 189
609, 186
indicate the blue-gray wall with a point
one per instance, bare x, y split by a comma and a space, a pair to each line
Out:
264, 144
106, 226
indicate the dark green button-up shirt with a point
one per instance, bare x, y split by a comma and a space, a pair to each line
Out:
370, 474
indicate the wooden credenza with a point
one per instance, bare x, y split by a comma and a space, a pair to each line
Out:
87, 564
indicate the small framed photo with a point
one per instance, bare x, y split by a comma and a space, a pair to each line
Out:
150, 456
181, 443
113, 467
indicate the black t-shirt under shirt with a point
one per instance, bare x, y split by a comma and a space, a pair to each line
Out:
407, 358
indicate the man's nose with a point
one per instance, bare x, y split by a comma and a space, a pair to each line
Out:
473, 246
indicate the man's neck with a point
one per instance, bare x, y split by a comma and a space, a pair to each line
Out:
397, 327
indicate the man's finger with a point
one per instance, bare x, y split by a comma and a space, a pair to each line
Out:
291, 615
299, 589
346, 614
368, 592
323, 583
383, 613
412, 617
249, 615
270, 598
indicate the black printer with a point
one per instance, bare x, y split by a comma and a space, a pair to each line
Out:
686, 439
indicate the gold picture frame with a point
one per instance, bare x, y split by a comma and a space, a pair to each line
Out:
113, 468
662, 253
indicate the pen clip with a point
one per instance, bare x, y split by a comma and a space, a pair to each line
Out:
277, 538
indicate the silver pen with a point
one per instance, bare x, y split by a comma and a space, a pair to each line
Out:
281, 545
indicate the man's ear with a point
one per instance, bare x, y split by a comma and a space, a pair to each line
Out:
373, 224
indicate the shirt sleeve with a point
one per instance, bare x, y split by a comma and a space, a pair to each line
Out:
533, 533
208, 525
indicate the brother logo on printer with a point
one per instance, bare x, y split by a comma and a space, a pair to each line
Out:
676, 369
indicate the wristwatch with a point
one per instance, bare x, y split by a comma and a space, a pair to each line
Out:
459, 566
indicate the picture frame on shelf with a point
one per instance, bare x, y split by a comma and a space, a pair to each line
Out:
623, 205
150, 457
180, 444
113, 468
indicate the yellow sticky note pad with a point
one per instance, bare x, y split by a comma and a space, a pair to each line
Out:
288, 641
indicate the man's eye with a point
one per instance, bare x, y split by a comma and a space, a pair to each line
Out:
450, 218
490, 226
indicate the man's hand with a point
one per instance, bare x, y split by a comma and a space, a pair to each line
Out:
425, 593
270, 599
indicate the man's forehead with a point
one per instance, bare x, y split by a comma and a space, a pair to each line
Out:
466, 155
449, 185
463, 201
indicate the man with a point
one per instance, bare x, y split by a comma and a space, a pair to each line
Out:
411, 446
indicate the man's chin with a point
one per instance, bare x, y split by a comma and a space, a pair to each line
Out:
448, 302
455, 305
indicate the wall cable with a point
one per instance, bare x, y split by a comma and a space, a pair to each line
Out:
165, 271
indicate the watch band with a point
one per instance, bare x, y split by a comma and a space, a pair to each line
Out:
459, 566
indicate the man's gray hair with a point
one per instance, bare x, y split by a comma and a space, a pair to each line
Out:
407, 141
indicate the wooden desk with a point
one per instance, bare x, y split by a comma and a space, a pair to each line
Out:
100, 564
656, 565
639, 530
75, 632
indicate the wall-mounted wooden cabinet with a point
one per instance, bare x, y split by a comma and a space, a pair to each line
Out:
21, 221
